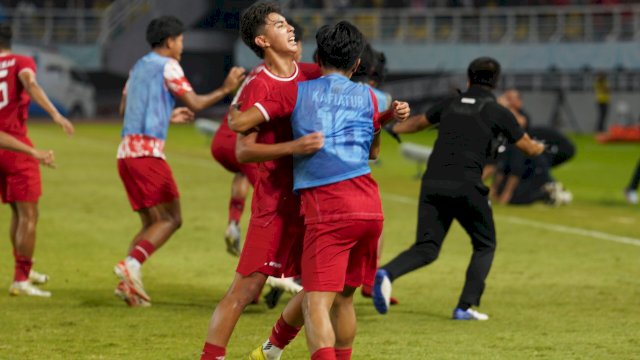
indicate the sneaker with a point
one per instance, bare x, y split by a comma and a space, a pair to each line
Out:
38, 278
469, 314
286, 284
273, 297
266, 351
26, 288
381, 291
124, 292
557, 194
232, 239
631, 196
132, 276
367, 291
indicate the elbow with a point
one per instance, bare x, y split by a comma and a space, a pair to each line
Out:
374, 154
237, 127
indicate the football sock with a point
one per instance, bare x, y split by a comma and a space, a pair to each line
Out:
22, 268
343, 354
327, 353
212, 352
142, 251
282, 333
236, 207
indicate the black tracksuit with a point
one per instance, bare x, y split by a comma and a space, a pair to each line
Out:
452, 187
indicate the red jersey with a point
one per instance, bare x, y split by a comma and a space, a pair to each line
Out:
273, 190
14, 100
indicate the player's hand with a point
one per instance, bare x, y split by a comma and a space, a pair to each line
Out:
67, 126
401, 110
234, 79
181, 115
308, 144
45, 158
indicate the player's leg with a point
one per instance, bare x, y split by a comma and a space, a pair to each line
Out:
242, 291
316, 307
145, 220
476, 218
631, 191
24, 219
239, 190
343, 318
434, 219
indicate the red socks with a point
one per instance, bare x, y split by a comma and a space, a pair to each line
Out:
23, 266
212, 352
327, 353
142, 251
343, 354
236, 207
282, 333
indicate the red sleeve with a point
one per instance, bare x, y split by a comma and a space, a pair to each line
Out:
25, 63
310, 71
279, 104
253, 91
376, 114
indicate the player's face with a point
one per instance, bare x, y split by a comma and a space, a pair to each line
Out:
279, 35
175, 46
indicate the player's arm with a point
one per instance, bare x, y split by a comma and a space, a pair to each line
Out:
398, 111
509, 187
529, 146
412, 124
8, 142
123, 104
243, 121
31, 86
197, 102
249, 150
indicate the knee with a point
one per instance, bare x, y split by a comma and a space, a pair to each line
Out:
427, 253
241, 297
29, 216
176, 221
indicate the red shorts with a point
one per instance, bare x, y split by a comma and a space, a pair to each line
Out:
223, 149
372, 266
338, 253
274, 247
19, 176
148, 181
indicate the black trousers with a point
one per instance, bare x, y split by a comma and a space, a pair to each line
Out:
603, 109
436, 211
635, 179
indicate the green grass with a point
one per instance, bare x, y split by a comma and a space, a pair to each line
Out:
551, 294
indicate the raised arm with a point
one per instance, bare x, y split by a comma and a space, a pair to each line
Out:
197, 102
31, 86
248, 150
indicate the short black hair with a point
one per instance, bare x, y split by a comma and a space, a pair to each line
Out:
373, 66
484, 71
339, 46
252, 22
162, 28
6, 33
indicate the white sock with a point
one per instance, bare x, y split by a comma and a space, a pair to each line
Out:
133, 263
270, 351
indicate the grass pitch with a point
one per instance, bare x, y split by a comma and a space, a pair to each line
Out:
564, 284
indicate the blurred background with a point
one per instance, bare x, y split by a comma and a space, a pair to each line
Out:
552, 51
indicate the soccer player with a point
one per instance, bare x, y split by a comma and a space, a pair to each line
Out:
20, 183
273, 243
452, 187
155, 82
340, 199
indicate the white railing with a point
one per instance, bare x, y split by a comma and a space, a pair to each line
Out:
484, 25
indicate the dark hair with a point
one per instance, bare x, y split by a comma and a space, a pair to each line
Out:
339, 46
252, 22
6, 33
162, 28
373, 66
298, 29
484, 71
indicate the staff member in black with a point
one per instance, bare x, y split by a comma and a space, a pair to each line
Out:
452, 187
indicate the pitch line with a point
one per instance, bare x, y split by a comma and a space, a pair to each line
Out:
538, 224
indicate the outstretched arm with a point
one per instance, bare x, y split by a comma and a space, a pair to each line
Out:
8, 142
28, 80
248, 150
197, 102
411, 125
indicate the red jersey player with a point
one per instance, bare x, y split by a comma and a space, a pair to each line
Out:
273, 242
20, 184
